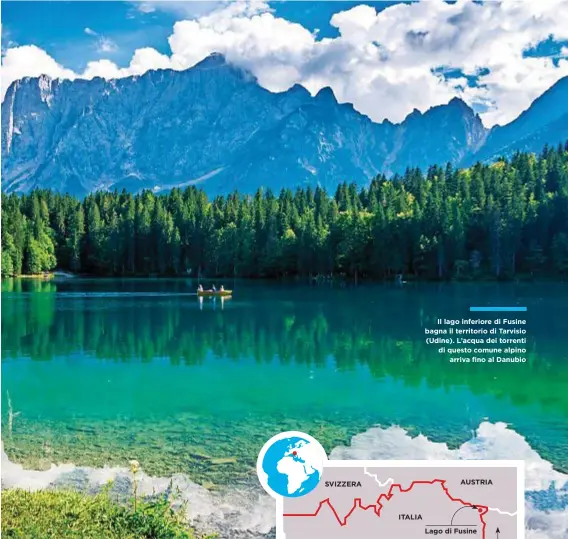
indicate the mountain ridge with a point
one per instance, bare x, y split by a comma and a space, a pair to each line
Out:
215, 126
543, 112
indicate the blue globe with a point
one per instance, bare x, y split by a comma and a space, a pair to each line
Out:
292, 466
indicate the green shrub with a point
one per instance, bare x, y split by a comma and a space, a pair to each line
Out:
61, 514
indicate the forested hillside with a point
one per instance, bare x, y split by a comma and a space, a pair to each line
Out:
490, 221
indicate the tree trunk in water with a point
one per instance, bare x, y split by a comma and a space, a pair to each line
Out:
440, 261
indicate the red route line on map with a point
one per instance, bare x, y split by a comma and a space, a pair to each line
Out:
378, 506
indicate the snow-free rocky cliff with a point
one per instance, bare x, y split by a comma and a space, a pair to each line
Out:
215, 127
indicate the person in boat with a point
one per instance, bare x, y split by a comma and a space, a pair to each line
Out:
213, 289
222, 289
200, 288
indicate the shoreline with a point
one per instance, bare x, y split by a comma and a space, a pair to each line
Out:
311, 281
45, 276
38, 276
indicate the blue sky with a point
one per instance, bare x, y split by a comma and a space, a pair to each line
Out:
386, 58
59, 29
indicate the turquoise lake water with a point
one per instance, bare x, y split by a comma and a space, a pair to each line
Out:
102, 371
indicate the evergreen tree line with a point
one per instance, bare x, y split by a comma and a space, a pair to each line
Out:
497, 221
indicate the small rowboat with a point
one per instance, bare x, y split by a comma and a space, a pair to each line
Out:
223, 293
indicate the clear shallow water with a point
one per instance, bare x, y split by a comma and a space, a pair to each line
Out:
108, 370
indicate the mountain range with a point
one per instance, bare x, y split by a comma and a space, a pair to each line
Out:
214, 126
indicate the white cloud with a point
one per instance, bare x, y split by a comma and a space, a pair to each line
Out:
30, 61
7, 40
106, 45
105, 69
184, 8
148, 58
142, 61
382, 62
146, 7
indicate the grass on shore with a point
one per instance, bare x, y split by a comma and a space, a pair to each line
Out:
62, 514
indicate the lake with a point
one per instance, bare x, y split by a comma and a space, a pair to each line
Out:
97, 372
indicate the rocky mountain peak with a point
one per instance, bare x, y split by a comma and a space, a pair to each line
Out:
215, 127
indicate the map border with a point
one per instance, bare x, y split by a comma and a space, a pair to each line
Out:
463, 463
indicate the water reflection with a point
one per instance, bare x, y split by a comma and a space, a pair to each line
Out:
378, 328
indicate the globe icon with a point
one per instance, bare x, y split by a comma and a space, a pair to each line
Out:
291, 464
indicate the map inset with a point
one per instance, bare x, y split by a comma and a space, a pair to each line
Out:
360, 500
